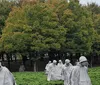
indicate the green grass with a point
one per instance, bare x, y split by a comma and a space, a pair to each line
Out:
39, 78
32, 78
94, 74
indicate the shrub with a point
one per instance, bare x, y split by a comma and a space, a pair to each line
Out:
39, 78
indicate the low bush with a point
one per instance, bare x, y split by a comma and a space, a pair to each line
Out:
39, 78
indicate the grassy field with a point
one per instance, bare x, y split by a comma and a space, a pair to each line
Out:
39, 78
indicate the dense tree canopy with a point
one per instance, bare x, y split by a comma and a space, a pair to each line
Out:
34, 27
52, 24
81, 32
95, 10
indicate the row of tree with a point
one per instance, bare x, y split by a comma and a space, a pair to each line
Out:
53, 26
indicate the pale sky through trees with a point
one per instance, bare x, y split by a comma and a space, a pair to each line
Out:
84, 2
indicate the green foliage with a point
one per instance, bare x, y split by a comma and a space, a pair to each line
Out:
95, 75
94, 8
5, 8
80, 32
55, 24
96, 44
46, 31
29, 78
13, 33
32, 27
39, 78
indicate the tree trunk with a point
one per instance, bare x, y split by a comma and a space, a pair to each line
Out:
11, 57
31, 63
34, 66
2, 57
91, 62
15, 58
30, 57
24, 58
8, 59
